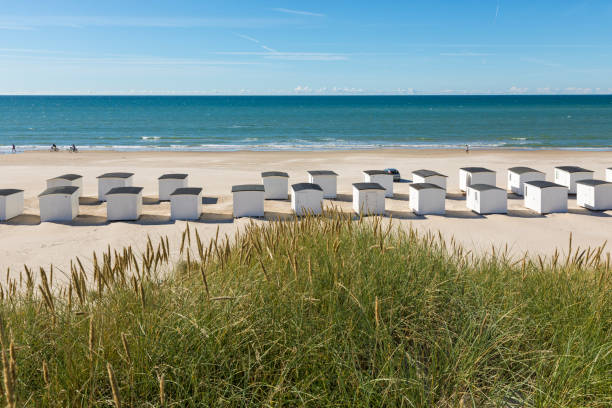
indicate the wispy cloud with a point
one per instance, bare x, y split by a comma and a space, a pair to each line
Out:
298, 12
295, 56
465, 54
496, 12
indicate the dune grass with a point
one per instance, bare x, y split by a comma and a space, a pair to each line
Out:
318, 312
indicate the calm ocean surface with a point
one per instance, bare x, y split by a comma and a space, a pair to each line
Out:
305, 122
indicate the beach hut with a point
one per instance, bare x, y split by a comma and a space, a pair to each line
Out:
108, 181
59, 203
327, 179
429, 176
11, 203
609, 174
368, 198
568, 176
427, 198
124, 204
186, 203
381, 177
276, 185
517, 176
306, 198
248, 200
545, 197
67, 180
594, 194
475, 175
487, 199
170, 182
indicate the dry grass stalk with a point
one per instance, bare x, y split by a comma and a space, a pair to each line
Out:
113, 383
8, 369
92, 335
162, 390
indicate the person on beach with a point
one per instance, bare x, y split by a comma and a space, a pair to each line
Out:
14, 149
467, 148
54, 148
73, 148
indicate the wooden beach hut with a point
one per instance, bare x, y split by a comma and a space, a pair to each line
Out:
11, 203
59, 203
517, 176
306, 198
327, 179
427, 198
487, 199
167, 183
609, 174
276, 185
186, 203
108, 181
368, 198
248, 200
124, 204
568, 176
381, 177
594, 194
67, 180
475, 175
429, 176
545, 197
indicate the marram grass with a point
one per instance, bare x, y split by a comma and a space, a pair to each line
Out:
318, 312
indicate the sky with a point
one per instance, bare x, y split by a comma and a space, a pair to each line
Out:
306, 47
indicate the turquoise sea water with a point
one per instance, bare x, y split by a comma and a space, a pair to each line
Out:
305, 122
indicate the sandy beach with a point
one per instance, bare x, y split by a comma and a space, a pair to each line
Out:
25, 240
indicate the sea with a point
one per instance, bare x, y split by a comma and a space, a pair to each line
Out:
229, 123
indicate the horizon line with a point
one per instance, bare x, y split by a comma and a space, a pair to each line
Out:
310, 94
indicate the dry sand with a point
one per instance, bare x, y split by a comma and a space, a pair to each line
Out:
24, 240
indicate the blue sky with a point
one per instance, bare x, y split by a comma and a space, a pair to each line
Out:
314, 47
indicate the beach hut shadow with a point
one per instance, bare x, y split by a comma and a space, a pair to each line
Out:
404, 215
514, 196
347, 198
586, 211
278, 216
210, 200
465, 214
455, 196
150, 200
403, 181
524, 214
23, 219
154, 219
215, 218
87, 220
400, 197
89, 201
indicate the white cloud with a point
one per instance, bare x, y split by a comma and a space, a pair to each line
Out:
298, 12
517, 90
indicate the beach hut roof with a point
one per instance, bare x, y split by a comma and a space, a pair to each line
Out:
375, 172
306, 186
116, 175
425, 186
477, 170
173, 176
247, 187
592, 182
125, 190
484, 187
427, 173
69, 177
523, 170
9, 191
274, 174
322, 173
187, 191
368, 186
543, 184
573, 169
59, 190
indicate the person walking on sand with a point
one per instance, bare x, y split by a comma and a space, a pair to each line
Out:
54, 148
14, 149
467, 148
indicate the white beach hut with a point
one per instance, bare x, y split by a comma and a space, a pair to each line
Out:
59, 203
248, 200
545, 197
517, 176
368, 198
475, 175
276, 185
67, 180
108, 181
327, 179
609, 174
169, 182
487, 199
594, 194
186, 203
306, 198
568, 176
11, 203
381, 177
124, 204
427, 198
429, 176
